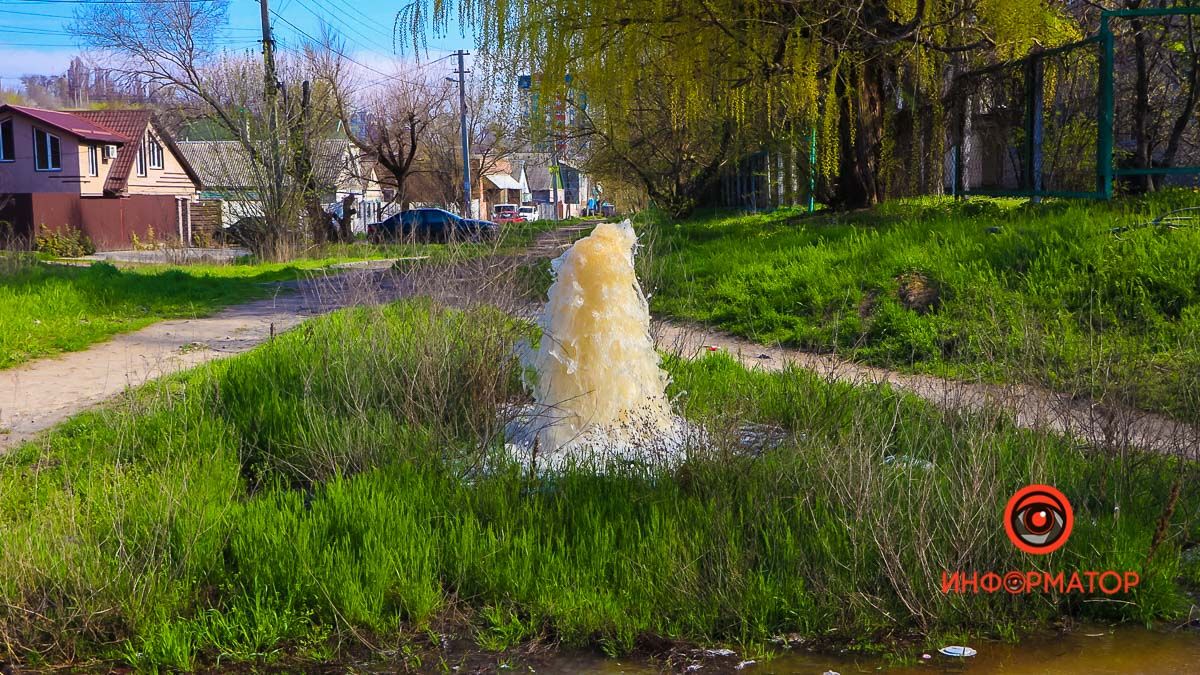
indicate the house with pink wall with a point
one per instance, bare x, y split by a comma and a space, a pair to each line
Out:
113, 174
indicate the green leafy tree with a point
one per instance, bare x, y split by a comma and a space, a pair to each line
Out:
764, 69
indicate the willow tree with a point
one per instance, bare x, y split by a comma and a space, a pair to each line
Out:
767, 68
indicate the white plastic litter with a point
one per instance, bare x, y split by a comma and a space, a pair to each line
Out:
907, 461
957, 651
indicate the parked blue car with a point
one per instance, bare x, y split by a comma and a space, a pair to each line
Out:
438, 225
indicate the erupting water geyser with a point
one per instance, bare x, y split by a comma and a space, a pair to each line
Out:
599, 389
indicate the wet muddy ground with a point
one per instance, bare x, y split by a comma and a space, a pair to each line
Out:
1088, 650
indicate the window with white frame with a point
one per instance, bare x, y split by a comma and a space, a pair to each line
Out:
140, 160
93, 160
8, 150
156, 153
46, 153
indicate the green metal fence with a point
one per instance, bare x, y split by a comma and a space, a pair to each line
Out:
1024, 152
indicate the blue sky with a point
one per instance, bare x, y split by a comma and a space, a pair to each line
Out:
33, 39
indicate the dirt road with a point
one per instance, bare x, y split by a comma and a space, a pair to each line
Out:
42, 393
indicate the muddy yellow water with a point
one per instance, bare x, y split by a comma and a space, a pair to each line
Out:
596, 364
1086, 651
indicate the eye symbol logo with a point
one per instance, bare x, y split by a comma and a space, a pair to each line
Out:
1038, 519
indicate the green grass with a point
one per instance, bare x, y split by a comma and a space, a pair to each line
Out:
323, 491
1045, 293
47, 308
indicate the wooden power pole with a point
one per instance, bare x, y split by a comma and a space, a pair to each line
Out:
271, 97
466, 145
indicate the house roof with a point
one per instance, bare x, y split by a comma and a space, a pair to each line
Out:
132, 125
537, 172
537, 178
503, 181
226, 164
70, 123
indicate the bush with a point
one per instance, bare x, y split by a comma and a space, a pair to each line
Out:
64, 242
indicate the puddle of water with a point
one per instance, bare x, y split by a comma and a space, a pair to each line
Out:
1087, 651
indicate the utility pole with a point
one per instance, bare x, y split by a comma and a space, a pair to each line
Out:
554, 173
466, 146
271, 96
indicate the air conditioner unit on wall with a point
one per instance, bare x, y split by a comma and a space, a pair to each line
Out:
110, 152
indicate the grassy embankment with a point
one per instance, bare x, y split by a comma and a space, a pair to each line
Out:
320, 496
1074, 296
47, 309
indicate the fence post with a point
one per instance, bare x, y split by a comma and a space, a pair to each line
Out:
1104, 136
812, 169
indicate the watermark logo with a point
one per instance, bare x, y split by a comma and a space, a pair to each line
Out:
1038, 519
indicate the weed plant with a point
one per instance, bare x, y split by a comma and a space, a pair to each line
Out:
340, 487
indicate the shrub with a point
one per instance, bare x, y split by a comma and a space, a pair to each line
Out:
64, 242
149, 244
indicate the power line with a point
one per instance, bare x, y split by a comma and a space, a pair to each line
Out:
38, 44
43, 14
341, 25
385, 76
72, 17
24, 30
344, 54
98, 2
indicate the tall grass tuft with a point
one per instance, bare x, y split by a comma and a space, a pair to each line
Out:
324, 491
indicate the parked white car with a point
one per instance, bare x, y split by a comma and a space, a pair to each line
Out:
529, 213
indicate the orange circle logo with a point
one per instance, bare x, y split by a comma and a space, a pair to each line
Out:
1038, 519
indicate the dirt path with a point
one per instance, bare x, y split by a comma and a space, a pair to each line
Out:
1030, 407
42, 393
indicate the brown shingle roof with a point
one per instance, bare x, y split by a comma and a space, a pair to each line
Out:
225, 165
131, 124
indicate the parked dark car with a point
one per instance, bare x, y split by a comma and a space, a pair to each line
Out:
431, 225
245, 232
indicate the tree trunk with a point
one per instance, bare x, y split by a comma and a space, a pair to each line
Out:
346, 220
1141, 105
861, 96
1189, 105
318, 220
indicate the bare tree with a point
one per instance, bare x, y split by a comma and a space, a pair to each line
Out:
493, 132
389, 120
168, 45
173, 47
